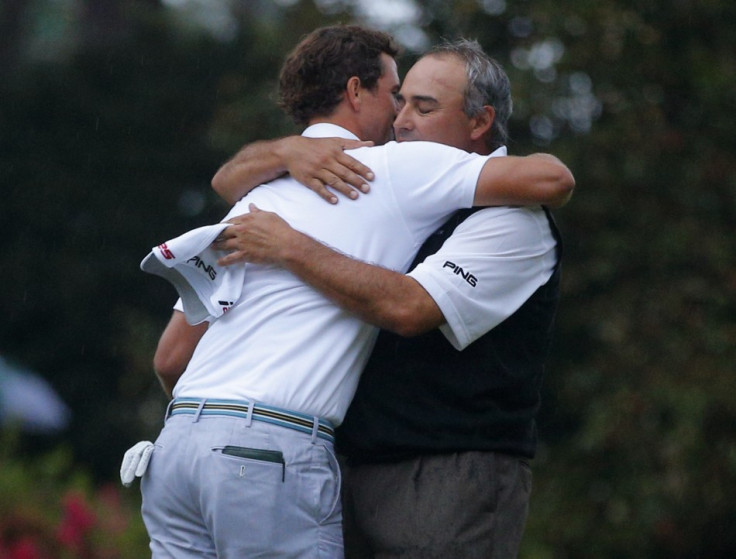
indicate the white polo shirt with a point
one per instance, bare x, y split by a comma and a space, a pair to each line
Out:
284, 343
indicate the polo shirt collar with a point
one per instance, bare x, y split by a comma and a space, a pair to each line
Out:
328, 130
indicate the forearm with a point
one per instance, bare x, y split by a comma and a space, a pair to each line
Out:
522, 181
253, 165
320, 164
382, 297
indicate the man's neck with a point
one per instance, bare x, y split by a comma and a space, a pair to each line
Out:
480, 147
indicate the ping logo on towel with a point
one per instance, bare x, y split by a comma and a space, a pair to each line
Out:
226, 305
467, 276
208, 268
166, 252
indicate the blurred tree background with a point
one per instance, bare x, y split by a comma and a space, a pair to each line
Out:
115, 114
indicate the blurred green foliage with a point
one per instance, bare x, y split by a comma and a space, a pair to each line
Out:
115, 115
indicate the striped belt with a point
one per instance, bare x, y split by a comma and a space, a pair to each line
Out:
260, 412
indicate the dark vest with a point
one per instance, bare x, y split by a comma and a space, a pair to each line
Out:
420, 395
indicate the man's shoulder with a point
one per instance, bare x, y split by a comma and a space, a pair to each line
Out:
419, 155
515, 212
511, 219
419, 146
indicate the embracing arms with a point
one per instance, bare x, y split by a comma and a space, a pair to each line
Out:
315, 167
535, 179
319, 163
382, 297
379, 296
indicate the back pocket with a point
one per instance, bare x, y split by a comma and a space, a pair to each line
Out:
275, 456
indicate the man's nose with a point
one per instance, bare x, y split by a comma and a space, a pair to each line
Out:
402, 121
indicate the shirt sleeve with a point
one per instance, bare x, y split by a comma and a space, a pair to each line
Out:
493, 262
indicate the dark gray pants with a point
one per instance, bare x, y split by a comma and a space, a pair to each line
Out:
453, 506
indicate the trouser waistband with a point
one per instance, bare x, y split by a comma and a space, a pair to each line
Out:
308, 424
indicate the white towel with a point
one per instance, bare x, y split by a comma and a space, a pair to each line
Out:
189, 263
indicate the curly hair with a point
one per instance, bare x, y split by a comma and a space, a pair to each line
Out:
314, 75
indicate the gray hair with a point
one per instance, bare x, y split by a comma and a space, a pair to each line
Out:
488, 84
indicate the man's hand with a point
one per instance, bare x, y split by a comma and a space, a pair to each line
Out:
258, 237
319, 163
135, 462
322, 164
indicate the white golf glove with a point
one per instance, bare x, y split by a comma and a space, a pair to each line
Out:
135, 462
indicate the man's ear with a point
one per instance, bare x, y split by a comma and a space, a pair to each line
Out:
353, 91
481, 123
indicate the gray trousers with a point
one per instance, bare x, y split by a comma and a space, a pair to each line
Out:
452, 506
219, 487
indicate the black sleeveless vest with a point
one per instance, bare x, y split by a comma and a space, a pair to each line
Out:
420, 395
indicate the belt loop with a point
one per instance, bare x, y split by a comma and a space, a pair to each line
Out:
168, 410
249, 417
199, 410
315, 429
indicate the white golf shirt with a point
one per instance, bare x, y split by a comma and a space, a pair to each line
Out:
285, 344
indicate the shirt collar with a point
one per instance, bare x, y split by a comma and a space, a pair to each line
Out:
328, 130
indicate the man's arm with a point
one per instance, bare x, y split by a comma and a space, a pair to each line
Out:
539, 178
379, 296
175, 349
317, 163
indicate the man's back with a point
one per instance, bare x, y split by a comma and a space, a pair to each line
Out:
285, 344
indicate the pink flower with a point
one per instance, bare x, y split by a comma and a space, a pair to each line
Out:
77, 521
22, 548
